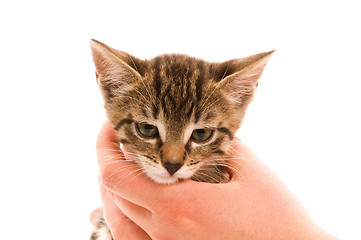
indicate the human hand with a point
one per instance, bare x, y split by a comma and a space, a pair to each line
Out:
255, 204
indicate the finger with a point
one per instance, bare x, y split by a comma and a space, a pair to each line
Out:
121, 175
108, 149
119, 224
139, 215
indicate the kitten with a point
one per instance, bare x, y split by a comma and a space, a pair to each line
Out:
176, 114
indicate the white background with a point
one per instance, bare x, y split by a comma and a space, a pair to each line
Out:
304, 121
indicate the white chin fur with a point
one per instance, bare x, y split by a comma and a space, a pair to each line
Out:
160, 175
163, 180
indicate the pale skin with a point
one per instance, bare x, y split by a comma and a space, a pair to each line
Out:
254, 205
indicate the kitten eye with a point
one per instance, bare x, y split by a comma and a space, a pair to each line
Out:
202, 135
147, 130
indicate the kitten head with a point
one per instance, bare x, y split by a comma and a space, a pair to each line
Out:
176, 114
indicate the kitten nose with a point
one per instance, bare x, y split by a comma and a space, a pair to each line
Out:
173, 156
172, 167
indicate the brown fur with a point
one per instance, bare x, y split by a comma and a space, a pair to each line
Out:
179, 91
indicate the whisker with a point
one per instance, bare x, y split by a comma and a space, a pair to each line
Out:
118, 170
225, 72
135, 66
108, 150
236, 150
104, 164
140, 173
130, 173
114, 156
117, 151
235, 170
205, 175
224, 162
211, 105
117, 156
141, 103
198, 176
209, 97
142, 95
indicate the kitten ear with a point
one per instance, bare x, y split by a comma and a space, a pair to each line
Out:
243, 81
114, 75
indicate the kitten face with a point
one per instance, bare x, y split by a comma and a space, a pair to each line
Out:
176, 114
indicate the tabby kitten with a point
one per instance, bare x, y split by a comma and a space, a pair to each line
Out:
176, 114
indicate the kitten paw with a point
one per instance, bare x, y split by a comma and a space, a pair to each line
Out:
101, 230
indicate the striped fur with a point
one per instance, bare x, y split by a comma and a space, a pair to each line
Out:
178, 94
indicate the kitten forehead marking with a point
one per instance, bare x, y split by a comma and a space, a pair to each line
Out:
161, 130
188, 132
